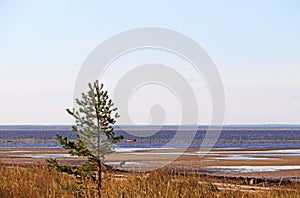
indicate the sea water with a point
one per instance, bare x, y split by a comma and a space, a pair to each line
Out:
256, 136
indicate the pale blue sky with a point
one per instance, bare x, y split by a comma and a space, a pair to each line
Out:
254, 44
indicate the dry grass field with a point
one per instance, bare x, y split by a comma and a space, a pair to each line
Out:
43, 181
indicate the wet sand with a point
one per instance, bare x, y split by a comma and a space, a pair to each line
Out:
254, 162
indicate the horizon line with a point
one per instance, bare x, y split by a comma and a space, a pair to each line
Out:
167, 124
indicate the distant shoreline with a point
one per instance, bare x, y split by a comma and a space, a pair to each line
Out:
225, 126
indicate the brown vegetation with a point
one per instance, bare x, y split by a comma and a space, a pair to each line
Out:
44, 181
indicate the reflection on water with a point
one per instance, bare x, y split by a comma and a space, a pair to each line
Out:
240, 157
248, 169
46, 156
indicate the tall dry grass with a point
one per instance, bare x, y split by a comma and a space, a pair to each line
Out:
43, 181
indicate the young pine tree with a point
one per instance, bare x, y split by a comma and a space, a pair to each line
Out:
94, 119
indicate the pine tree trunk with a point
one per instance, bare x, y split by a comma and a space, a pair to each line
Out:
99, 178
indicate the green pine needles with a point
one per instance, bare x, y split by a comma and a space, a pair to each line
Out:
94, 119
